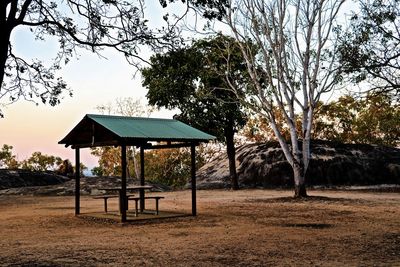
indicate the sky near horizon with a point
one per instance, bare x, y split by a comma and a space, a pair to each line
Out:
29, 128
94, 81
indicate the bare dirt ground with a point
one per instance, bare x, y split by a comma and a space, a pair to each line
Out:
243, 228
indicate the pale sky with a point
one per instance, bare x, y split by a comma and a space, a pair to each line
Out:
95, 81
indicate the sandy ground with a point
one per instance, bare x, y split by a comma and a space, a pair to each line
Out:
243, 228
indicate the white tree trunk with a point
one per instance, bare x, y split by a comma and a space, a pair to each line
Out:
299, 180
289, 69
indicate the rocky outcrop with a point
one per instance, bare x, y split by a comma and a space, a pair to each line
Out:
264, 165
23, 178
49, 187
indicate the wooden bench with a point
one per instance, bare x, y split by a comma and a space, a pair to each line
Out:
157, 198
106, 197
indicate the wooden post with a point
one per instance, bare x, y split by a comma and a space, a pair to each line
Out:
122, 195
141, 194
77, 182
193, 177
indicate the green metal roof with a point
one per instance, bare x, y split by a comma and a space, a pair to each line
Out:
97, 130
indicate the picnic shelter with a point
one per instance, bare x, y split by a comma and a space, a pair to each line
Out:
144, 133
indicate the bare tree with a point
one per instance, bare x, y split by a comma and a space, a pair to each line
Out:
293, 65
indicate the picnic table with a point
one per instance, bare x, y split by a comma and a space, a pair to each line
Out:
124, 202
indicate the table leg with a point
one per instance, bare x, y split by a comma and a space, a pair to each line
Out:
141, 193
121, 203
105, 205
157, 206
136, 207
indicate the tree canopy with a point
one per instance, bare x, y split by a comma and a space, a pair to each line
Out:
7, 158
370, 120
195, 79
41, 162
36, 162
88, 24
370, 49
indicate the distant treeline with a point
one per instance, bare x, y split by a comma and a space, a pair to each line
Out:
36, 162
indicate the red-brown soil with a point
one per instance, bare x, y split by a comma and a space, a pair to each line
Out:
233, 228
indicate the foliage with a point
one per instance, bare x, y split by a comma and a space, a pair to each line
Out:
173, 166
369, 50
258, 128
65, 168
41, 162
214, 9
370, 120
110, 161
97, 171
167, 166
193, 79
37, 162
91, 24
196, 80
7, 159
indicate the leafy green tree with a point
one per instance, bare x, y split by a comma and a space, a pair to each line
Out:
40, 162
90, 24
7, 159
369, 50
64, 167
195, 80
97, 171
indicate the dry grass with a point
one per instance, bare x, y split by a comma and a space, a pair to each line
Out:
244, 228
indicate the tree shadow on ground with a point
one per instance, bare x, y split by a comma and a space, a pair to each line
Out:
311, 199
308, 225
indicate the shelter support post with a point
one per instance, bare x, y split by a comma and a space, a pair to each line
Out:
141, 192
122, 195
77, 181
193, 178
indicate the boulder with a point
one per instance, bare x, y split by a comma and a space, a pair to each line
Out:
332, 164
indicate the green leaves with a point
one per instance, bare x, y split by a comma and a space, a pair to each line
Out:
369, 51
194, 80
172, 77
7, 159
